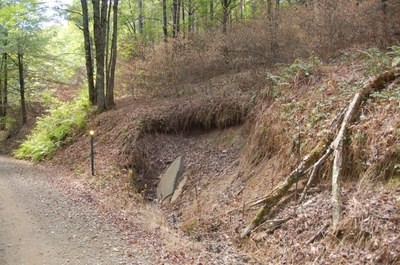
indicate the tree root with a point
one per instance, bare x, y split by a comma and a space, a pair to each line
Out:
318, 156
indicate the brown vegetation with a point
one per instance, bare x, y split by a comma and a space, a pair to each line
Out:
302, 30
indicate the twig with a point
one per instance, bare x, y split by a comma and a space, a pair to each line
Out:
318, 234
315, 168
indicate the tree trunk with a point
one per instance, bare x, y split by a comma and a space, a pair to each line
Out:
225, 15
175, 15
338, 144
113, 60
2, 127
107, 63
183, 18
165, 29
99, 40
88, 54
178, 17
4, 94
22, 85
190, 16
211, 10
140, 16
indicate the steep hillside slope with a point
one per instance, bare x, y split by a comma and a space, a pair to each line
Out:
239, 143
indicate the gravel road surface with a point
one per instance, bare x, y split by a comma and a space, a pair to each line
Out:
40, 225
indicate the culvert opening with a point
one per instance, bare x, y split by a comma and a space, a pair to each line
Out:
203, 134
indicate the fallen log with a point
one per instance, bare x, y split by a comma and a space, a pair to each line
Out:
320, 154
271, 200
375, 85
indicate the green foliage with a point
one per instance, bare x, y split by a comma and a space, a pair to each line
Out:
299, 68
54, 129
395, 54
379, 61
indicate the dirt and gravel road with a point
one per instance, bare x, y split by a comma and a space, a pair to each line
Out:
40, 225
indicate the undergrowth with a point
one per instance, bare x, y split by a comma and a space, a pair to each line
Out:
54, 129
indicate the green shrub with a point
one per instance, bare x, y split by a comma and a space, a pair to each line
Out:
54, 129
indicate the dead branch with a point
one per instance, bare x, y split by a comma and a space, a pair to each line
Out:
270, 226
318, 234
320, 154
378, 83
314, 171
271, 200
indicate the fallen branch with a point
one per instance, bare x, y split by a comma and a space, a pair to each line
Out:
319, 155
378, 83
314, 171
318, 234
270, 226
271, 200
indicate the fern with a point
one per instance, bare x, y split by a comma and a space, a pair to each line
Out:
54, 129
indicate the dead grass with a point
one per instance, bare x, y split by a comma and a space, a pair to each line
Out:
304, 102
206, 114
320, 29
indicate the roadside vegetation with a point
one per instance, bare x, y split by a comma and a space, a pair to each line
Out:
55, 128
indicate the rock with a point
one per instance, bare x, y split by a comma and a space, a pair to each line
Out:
167, 184
179, 189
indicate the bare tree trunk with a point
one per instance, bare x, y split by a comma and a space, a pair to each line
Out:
242, 9
140, 16
253, 5
88, 54
99, 40
191, 16
165, 29
178, 17
225, 14
113, 60
108, 58
183, 17
5, 90
175, 15
131, 24
211, 10
2, 116
22, 85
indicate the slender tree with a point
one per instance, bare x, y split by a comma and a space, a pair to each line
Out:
140, 16
22, 84
99, 40
165, 24
88, 53
113, 60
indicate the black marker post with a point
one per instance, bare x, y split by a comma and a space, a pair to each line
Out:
92, 150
